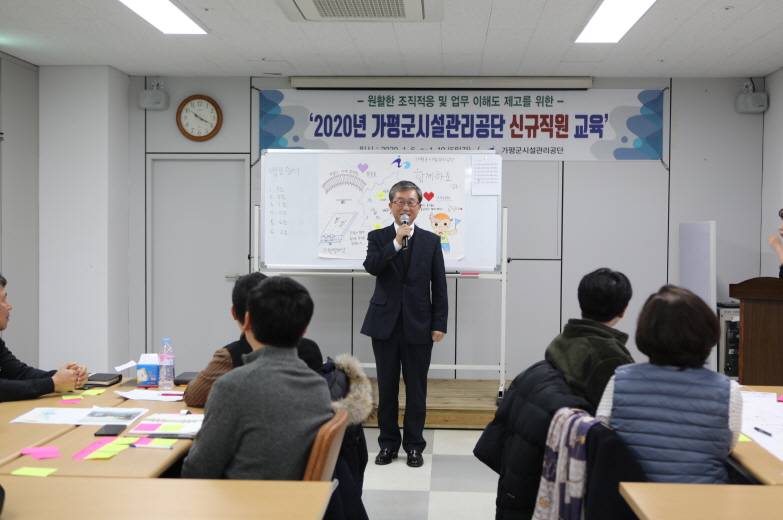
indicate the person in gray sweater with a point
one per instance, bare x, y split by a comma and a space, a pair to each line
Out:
261, 419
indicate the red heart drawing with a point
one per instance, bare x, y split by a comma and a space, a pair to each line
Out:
428, 195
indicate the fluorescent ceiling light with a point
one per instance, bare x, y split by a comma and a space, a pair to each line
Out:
166, 16
612, 20
441, 82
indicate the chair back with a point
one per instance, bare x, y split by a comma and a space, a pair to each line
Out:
326, 448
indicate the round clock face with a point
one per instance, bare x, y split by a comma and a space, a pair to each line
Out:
199, 118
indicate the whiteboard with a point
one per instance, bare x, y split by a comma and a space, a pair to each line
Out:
289, 231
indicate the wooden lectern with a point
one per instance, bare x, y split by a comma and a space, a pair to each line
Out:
761, 331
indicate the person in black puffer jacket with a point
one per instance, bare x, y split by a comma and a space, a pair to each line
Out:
513, 443
350, 390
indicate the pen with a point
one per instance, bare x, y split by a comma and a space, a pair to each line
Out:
178, 395
761, 431
152, 447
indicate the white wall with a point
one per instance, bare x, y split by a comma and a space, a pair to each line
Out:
772, 186
19, 203
716, 173
233, 97
83, 215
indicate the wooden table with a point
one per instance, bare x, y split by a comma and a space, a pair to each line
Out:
761, 464
131, 463
132, 499
14, 437
652, 501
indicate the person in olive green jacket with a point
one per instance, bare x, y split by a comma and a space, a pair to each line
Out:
590, 349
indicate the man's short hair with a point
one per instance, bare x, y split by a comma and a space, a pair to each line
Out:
403, 186
280, 309
241, 289
3, 281
604, 294
677, 328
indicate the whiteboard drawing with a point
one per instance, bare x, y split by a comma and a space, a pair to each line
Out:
344, 180
353, 199
441, 224
337, 227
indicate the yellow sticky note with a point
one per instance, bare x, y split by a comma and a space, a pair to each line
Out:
124, 440
377, 226
381, 195
100, 454
744, 438
171, 427
113, 448
70, 396
94, 391
163, 442
34, 472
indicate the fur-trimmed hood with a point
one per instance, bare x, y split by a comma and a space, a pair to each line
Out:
358, 402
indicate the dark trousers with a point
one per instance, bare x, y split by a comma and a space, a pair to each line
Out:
390, 354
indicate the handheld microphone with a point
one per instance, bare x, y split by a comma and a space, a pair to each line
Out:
404, 220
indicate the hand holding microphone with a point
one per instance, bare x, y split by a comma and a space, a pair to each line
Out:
404, 221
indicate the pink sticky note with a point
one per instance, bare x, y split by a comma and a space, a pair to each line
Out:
92, 447
780, 398
46, 455
144, 440
42, 452
147, 427
70, 401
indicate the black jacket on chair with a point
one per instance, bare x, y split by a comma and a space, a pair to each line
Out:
513, 443
609, 462
350, 390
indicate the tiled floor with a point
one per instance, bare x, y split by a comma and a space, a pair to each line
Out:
452, 484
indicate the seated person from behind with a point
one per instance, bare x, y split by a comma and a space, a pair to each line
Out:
19, 381
679, 419
230, 356
589, 350
261, 418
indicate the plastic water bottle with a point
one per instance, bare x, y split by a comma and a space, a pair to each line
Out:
166, 362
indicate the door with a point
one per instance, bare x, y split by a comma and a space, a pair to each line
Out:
198, 240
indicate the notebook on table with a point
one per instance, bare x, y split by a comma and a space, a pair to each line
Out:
184, 378
103, 379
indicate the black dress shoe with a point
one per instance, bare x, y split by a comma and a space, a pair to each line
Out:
415, 459
385, 456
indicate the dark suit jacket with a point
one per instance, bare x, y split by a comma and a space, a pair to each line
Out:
412, 295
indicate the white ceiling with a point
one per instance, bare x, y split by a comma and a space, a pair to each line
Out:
676, 38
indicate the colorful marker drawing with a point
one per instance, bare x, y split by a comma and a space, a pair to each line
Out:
441, 224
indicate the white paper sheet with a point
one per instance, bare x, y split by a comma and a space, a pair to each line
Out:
124, 416
761, 410
53, 416
151, 395
486, 174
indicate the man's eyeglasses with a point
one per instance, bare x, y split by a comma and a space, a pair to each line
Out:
402, 204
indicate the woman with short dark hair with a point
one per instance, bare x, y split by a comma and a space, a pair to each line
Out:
775, 243
679, 419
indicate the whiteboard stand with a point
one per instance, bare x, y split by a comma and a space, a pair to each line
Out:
502, 277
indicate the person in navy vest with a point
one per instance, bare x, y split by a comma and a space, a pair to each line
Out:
679, 419
407, 313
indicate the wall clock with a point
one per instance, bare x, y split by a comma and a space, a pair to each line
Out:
199, 118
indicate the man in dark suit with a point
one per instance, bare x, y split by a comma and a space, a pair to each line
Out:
403, 321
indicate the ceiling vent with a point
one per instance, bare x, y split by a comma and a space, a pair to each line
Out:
362, 10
